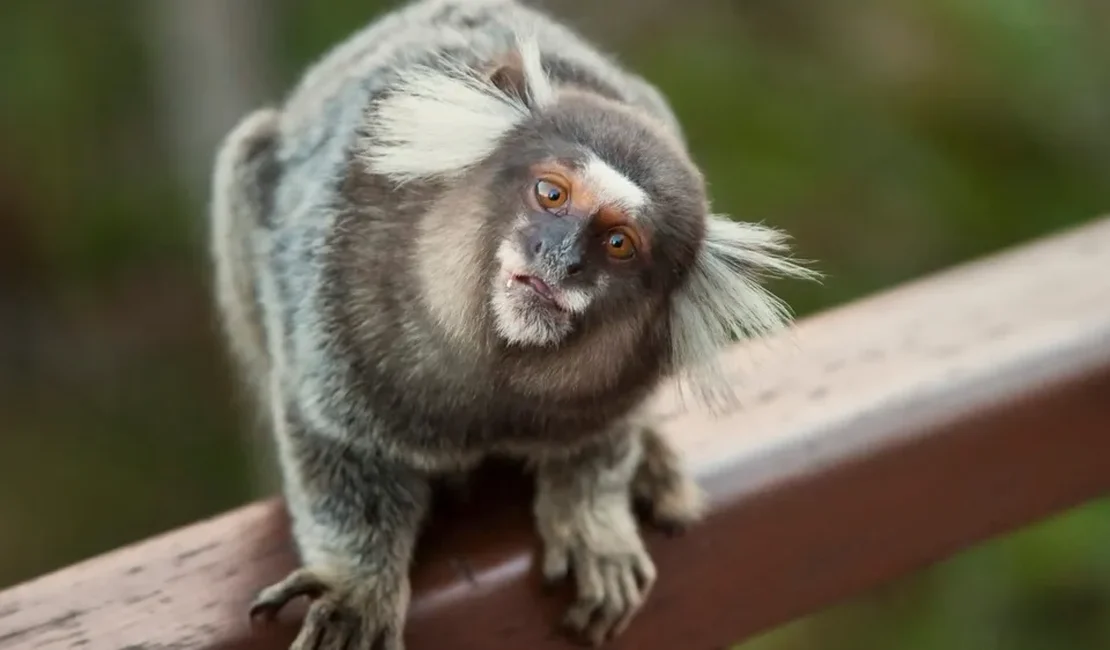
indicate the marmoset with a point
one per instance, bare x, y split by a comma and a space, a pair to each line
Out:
468, 234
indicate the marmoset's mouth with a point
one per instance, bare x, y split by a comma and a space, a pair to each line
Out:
537, 285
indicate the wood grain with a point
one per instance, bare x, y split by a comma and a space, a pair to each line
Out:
873, 440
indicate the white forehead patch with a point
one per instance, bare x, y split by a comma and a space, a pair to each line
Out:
613, 187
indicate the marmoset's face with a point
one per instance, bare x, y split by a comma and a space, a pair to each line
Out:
607, 217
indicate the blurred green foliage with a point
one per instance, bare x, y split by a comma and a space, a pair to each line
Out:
892, 138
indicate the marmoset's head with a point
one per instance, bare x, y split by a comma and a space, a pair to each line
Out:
602, 215
571, 214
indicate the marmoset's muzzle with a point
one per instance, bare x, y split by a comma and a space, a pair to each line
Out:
556, 246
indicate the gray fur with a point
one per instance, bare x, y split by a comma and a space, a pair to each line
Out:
243, 176
359, 266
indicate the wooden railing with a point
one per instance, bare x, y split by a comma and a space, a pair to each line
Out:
873, 440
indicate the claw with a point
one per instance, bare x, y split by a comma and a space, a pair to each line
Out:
610, 593
613, 606
349, 613
272, 599
262, 613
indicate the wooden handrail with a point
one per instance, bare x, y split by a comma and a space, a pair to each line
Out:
877, 438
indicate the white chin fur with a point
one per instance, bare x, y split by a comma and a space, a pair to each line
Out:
517, 317
518, 322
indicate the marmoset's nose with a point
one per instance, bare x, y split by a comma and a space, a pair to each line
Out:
557, 243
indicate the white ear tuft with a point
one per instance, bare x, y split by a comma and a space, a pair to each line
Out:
538, 86
439, 121
723, 301
446, 117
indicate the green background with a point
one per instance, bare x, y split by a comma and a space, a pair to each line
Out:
892, 138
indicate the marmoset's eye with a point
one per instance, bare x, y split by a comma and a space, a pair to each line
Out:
619, 243
550, 194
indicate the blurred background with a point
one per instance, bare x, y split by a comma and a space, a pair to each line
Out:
891, 137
